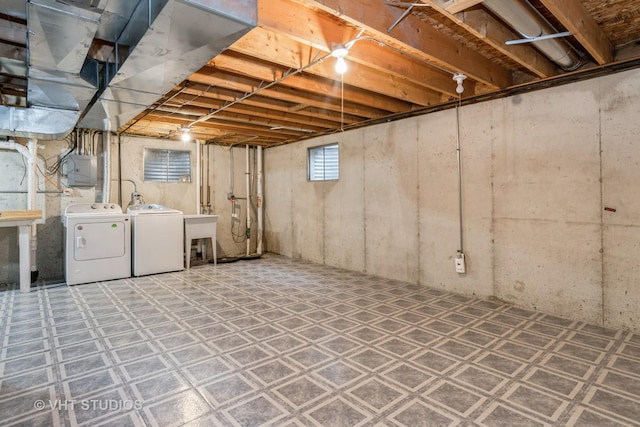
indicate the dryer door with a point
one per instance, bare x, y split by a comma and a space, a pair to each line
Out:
99, 240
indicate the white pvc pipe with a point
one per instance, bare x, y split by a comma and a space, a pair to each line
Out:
248, 185
106, 166
230, 195
259, 202
12, 145
197, 180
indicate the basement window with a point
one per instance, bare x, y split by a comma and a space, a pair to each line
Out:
324, 164
167, 165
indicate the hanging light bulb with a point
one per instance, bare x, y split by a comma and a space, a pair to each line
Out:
339, 52
186, 134
459, 78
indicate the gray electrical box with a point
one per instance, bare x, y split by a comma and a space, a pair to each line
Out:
82, 171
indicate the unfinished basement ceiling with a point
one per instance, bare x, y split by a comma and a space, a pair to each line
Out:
277, 83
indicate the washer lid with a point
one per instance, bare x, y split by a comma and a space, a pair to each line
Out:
151, 208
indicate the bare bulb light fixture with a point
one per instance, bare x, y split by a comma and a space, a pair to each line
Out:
186, 134
459, 78
339, 52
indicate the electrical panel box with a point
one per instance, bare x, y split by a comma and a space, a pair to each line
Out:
82, 170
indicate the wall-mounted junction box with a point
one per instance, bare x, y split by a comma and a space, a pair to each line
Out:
82, 171
460, 266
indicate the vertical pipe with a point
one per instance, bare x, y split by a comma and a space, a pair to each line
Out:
230, 195
149, 26
459, 173
119, 169
248, 185
201, 148
209, 211
259, 202
106, 165
197, 176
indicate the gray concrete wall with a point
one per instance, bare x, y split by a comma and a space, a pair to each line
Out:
538, 170
391, 200
439, 209
619, 110
547, 200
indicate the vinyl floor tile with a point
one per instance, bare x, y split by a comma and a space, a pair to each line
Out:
284, 342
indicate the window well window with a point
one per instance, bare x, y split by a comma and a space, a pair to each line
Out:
324, 164
167, 165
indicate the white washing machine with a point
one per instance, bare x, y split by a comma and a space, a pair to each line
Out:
157, 236
97, 243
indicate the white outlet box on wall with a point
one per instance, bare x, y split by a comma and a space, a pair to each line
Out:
460, 264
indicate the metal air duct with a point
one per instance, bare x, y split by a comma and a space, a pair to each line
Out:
163, 43
58, 38
96, 64
525, 20
36, 122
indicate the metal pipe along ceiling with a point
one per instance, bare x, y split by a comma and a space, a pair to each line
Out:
523, 18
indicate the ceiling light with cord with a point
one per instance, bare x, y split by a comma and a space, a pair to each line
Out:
339, 52
459, 78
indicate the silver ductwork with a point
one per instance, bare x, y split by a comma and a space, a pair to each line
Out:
36, 122
528, 22
96, 64
164, 42
58, 38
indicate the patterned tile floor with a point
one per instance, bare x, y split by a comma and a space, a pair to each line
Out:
282, 342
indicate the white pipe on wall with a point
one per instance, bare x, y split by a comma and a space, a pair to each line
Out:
12, 145
259, 202
248, 185
197, 179
230, 194
106, 166
202, 172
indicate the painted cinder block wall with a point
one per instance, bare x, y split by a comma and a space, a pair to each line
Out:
538, 169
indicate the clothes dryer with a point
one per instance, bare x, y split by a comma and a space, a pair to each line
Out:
97, 243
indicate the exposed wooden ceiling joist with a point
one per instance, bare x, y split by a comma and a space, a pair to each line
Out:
572, 14
416, 38
277, 84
